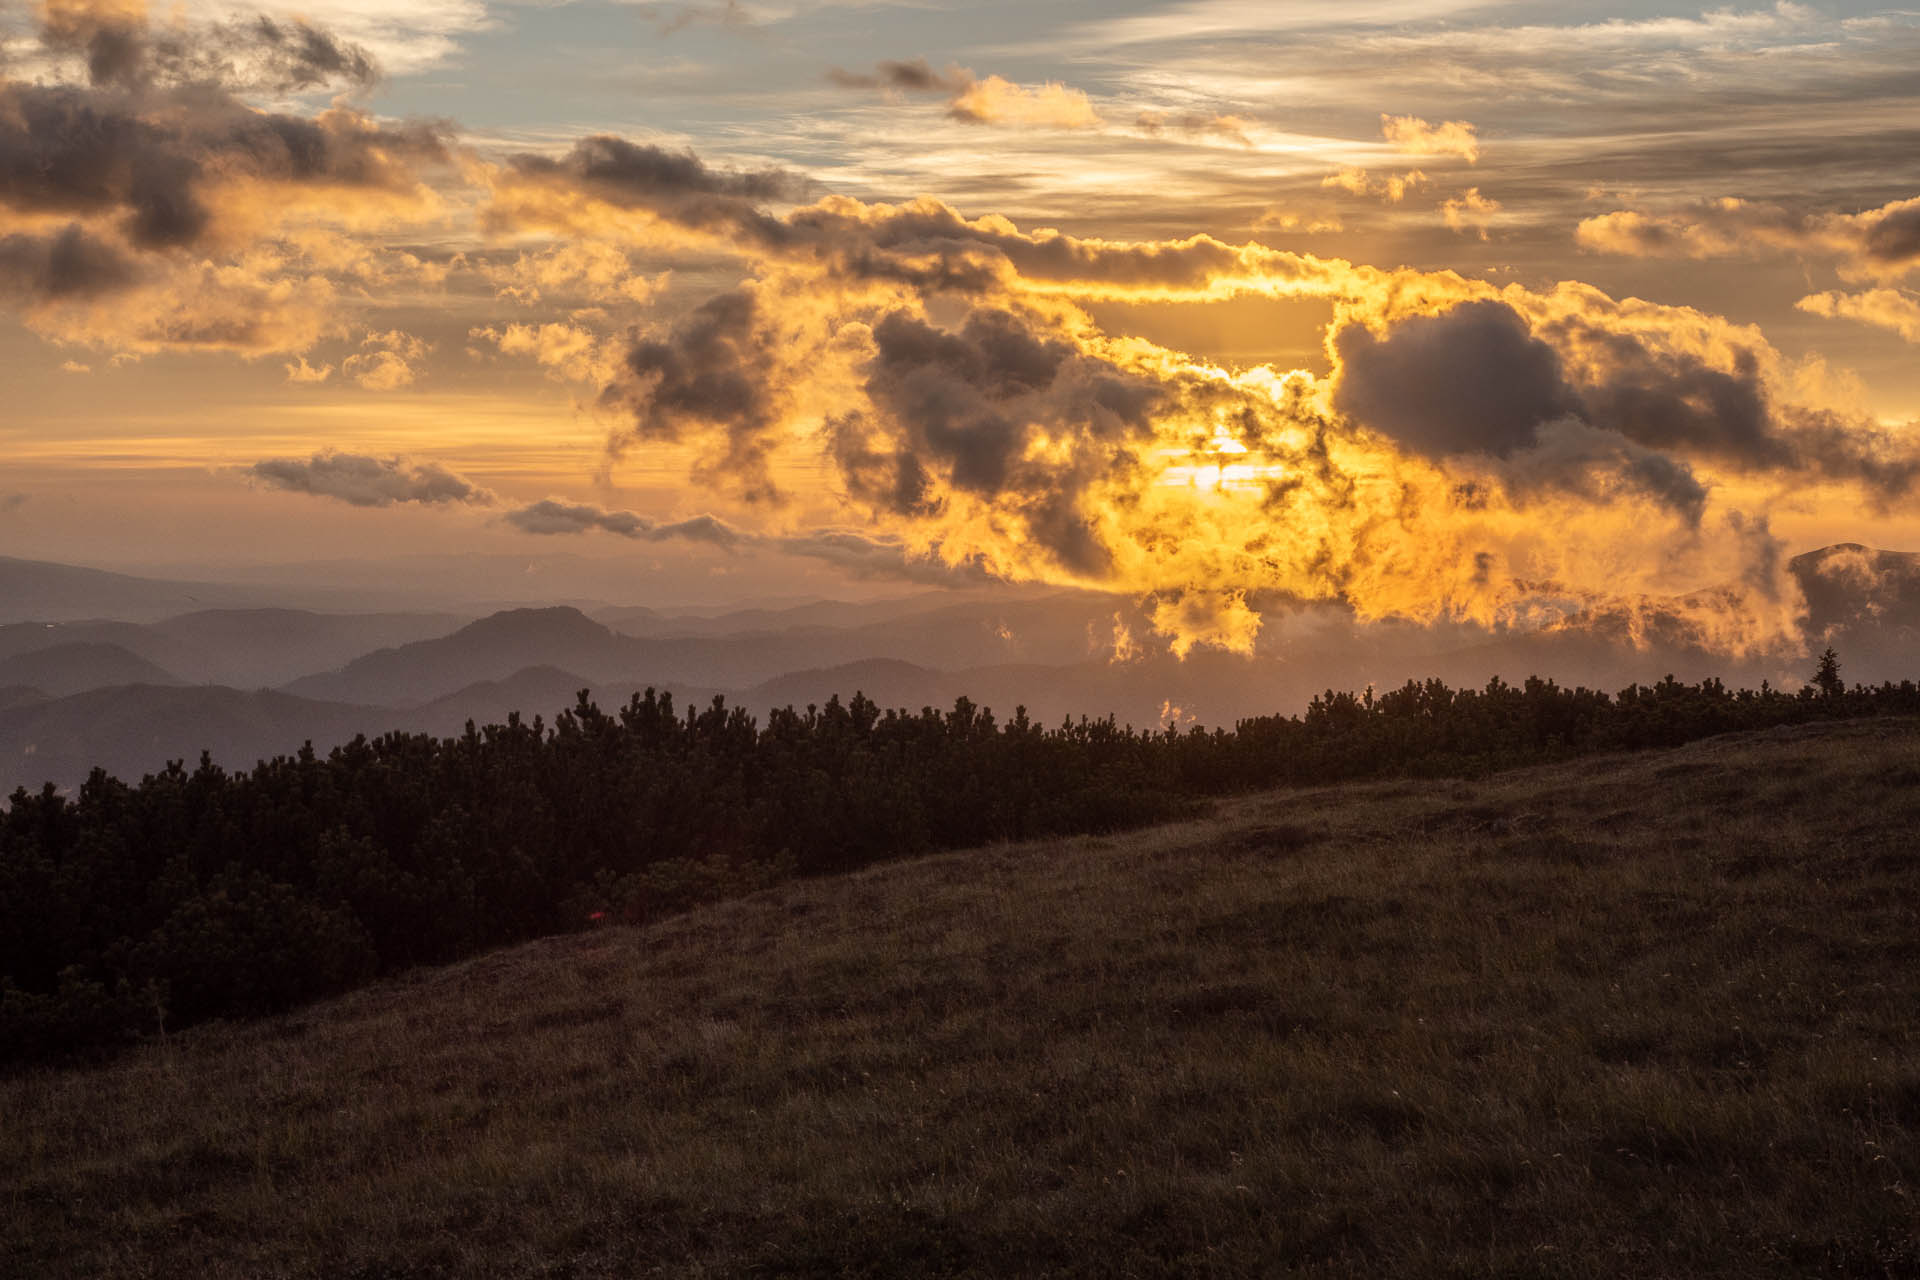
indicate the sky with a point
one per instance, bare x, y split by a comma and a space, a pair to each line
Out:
1488, 312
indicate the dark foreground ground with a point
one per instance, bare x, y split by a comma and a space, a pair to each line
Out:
1636, 1015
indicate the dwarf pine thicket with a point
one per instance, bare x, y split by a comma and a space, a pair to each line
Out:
130, 909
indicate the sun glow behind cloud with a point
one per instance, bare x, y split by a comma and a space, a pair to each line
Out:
918, 389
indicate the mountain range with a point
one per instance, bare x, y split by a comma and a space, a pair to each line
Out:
129, 694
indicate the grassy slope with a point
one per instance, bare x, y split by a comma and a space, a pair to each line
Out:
1646, 1015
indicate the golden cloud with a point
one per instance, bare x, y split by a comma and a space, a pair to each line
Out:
385, 361
1893, 309
1410, 135
1501, 455
1392, 188
993, 100
150, 208
568, 350
1470, 212
1052, 105
1505, 456
1873, 244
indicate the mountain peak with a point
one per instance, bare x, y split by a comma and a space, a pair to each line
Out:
559, 623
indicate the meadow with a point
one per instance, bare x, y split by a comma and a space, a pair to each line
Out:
1644, 1014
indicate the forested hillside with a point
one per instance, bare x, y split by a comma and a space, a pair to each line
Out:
128, 908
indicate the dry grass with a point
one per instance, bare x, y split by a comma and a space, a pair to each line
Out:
1646, 1015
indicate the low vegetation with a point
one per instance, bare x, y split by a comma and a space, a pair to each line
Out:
128, 911
1636, 1015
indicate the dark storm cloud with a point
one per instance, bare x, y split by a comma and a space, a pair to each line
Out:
674, 185
1893, 236
1600, 464
950, 390
970, 405
365, 481
928, 241
1470, 380
80, 152
999, 406
619, 170
910, 77
1477, 379
923, 243
1886, 465
714, 372
1668, 481
67, 264
124, 51
145, 156
1673, 399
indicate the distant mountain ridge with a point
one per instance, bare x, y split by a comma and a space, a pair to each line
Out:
1062, 654
490, 649
40, 591
62, 669
243, 648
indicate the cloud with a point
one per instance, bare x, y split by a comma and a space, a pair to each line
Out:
963, 407
717, 374
1495, 455
1472, 379
1483, 378
385, 361
1410, 135
145, 206
905, 77
640, 176
68, 263
670, 19
303, 374
264, 303
866, 556
174, 180
1874, 244
1052, 105
923, 243
860, 554
568, 350
1281, 219
583, 270
122, 50
552, 516
1217, 124
1893, 309
1393, 188
1470, 211
366, 481
1213, 20
604, 183
993, 100
1602, 465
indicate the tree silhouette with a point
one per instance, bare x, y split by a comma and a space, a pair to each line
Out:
1827, 677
